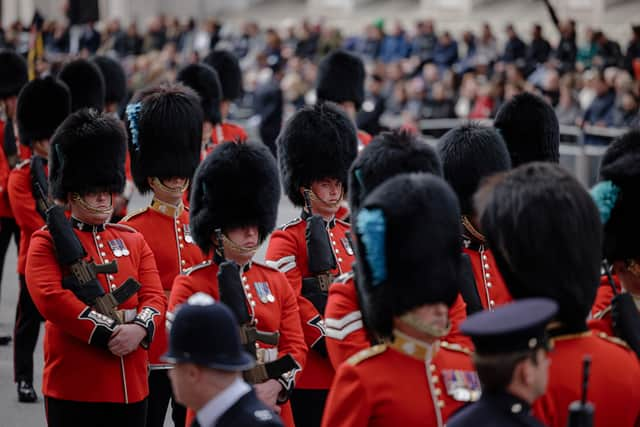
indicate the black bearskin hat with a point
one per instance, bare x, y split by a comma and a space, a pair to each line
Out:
389, 154
408, 247
618, 197
87, 153
229, 73
165, 133
341, 78
204, 80
235, 186
13, 73
545, 232
42, 105
530, 129
115, 79
470, 153
86, 83
316, 143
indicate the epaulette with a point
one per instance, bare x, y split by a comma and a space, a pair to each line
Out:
290, 224
455, 347
23, 164
121, 227
134, 213
614, 340
343, 222
200, 266
344, 277
265, 265
367, 353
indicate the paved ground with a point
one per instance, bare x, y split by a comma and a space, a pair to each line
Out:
12, 413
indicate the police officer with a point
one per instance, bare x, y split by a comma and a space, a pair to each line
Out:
512, 364
42, 105
409, 257
388, 154
545, 232
341, 77
229, 222
164, 155
315, 150
530, 129
230, 74
469, 154
95, 366
209, 360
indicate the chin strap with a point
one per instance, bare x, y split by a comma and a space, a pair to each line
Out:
86, 206
158, 182
222, 239
415, 322
310, 195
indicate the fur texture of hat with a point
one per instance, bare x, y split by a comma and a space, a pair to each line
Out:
115, 79
13, 73
204, 80
341, 77
229, 73
86, 83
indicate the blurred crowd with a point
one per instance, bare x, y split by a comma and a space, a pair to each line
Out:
416, 73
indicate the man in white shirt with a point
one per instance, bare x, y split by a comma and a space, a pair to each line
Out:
204, 344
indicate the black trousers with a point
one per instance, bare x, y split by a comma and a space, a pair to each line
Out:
159, 395
67, 413
308, 406
8, 228
25, 334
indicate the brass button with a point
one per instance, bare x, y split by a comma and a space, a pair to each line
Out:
181, 246
100, 245
486, 266
437, 391
489, 285
103, 254
440, 404
184, 262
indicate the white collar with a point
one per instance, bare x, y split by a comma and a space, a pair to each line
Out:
210, 413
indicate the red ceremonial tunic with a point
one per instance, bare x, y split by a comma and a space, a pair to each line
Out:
613, 381
166, 230
287, 252
225, 132
363, 139
24, 210
74, 369
277, 314
345, 330
406, 383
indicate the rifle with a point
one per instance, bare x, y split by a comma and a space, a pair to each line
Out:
233, 295
580, 411
468, 288
82, 281
321, 260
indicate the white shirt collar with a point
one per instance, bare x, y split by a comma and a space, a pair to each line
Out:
209, 414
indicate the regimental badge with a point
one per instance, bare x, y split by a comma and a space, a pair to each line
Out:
187, 233
118, 248
347, 245
264, 292
462, 386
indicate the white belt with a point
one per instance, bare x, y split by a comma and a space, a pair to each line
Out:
266, 355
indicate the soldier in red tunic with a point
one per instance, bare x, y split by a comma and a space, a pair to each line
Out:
234, 206
95, 359
469, 154
42, 105
165, 153
409, 254
617, 198
389, 154
316, 148
544, 230
341, 77
229, 72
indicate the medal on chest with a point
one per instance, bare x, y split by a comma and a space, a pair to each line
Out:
347, 245
264, 292
462, 386
118, 248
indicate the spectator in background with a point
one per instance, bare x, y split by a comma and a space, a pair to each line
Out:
632, 58
395, 45
373, 42
487, 47
269, 103
129, 43
588, 50
515, 48
446, 52
608, 52
439, 105
425, 40
625, 114
90, 39
600, 112
374, 105
567, 50
539, 49
568, 109
468, 61
156, 36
